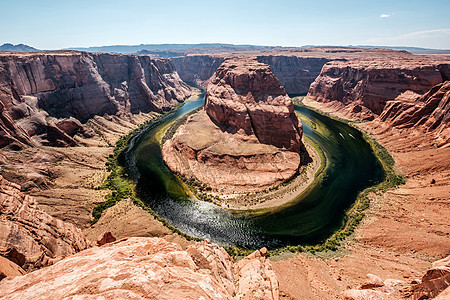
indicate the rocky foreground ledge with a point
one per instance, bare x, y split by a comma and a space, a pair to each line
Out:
149, 268
247, 137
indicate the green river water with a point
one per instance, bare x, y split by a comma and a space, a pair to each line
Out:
351, 167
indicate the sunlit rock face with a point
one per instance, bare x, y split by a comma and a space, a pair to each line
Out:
30, 237
246, 96
45, 96
246, 138
365, 85
149, 268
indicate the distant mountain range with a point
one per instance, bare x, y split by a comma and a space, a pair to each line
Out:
172, 50
155, 48
413, 50
18, 48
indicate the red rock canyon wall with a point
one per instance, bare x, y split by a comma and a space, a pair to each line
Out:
45, 96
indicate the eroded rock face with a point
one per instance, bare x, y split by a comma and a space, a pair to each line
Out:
246, 96
256, 277
146, 268
9, 268
436, 281
295, 73
432, 110
369, 84
225, 161
197, 68
37, 90
247, 137
30, 237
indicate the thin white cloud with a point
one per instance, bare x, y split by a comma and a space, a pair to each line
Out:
434, 38
427, 33
385, 16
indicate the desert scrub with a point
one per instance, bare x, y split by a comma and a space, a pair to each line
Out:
121, 187
117, 182
355, 214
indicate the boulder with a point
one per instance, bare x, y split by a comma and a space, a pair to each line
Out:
372, 281
257, 279
354, 294
9, 268
105, 238
435, 281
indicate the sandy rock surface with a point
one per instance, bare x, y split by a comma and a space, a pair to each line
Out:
147, 268
29, 236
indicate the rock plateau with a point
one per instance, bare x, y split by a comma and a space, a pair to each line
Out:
246, 138
364, 86
46, 98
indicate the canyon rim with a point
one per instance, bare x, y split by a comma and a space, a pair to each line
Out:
220, 170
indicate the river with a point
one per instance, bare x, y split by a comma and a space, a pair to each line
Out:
351, 167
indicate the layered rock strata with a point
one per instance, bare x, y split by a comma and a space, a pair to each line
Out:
246, 138
197, 68
30, 237
295, 73
149, 268
9, 268
44, 97
245, 96
364, 86
435, 282
431, 111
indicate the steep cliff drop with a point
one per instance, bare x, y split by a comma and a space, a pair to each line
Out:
247, 137
45, 97
197, 69
295, 73
430, 111
361, 87
405, 91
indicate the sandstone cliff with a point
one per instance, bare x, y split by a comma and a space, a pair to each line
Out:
197, 68
30, 237
432, 110
45, 96
246, 96
364, 86
149, 268
247, 137
295, 73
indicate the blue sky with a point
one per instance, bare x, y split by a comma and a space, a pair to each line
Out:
50, 24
